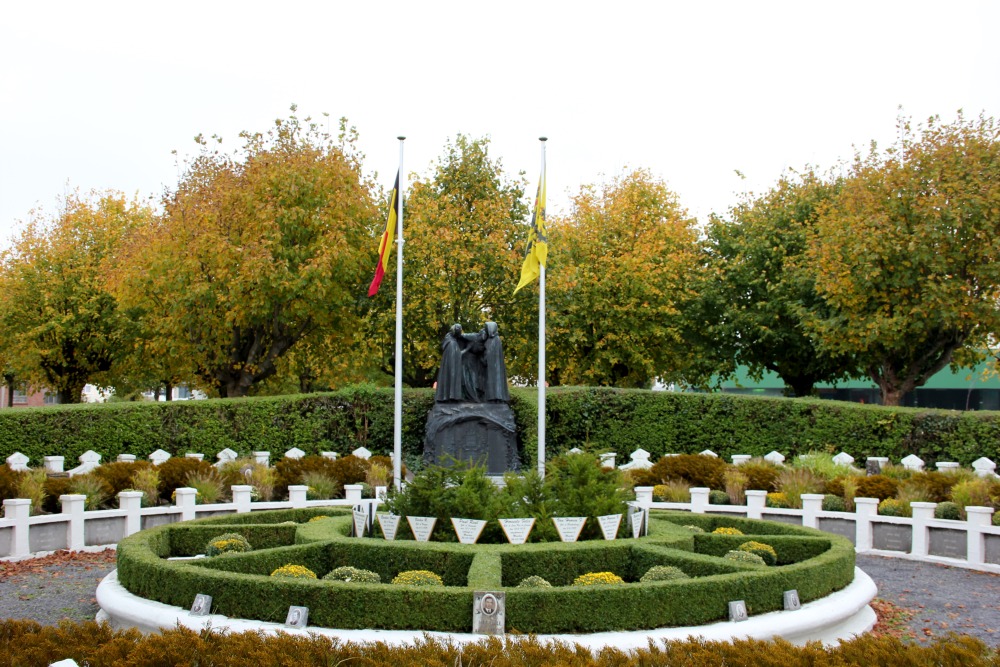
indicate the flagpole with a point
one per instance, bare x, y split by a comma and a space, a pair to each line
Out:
541, 350
397, 434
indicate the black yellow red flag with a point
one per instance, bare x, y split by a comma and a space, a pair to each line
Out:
387, 236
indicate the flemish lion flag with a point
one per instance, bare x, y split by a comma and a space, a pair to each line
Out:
538, 247
387, 236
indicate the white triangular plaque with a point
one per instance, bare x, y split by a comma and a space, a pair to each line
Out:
390, 524
609, 525
422, 526
468, 530
636, 517
517, 530
569, 527
360, 522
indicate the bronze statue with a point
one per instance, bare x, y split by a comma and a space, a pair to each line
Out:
472, 367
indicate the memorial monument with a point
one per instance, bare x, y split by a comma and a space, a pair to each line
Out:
471, 420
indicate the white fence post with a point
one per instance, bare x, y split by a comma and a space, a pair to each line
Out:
242, 497
977, 518
297, 495
644, 495
699, 499
72, 504
756, 502
54, 463
131, 503
922, 513
740, 459
812, 505
18, 509
352, 492
185, 499
864, 510
262, 458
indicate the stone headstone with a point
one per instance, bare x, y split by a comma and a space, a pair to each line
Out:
608, 460
362, 453
468, 530
422, 527
488, 612
389, 524
225, 456
775, 457
843, 459
360, 521
945, 466
913, 462
640, 461
791, 600
738, 611
262, 458
984, 467
126, 458
575, 450
294, 453
298, 617
202, 605
195, 455
740, 459
472, 434
329, 455
873, 466
609, 525
88, 461
709, 452
569, 527
517, 530
158, 457
637, 520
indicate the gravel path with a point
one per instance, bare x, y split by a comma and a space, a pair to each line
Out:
916, 600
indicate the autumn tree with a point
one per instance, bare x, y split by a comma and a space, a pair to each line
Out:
751, 293
258, 250
620, 263
907, 256
61, 325
464, 237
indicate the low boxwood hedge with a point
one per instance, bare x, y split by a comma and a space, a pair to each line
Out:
241, 588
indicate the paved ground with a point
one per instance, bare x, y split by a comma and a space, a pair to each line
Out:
916, 600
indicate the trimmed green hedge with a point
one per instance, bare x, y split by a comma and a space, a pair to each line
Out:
598, 418
241, 587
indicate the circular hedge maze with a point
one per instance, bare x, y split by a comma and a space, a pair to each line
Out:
809, 561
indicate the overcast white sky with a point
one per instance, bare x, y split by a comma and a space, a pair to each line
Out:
98, 94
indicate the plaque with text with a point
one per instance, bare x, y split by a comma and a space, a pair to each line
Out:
360, 522
569, 527
468, 530
422, 526
298, 617
609, 525
202, 605
892, 537
948, 543
488, 612
738, 611
389, 524
792, 602
517, 530
637, 519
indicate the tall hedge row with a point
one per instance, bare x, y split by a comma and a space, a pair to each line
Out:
596, 418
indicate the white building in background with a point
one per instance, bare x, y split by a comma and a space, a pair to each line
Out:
92, 394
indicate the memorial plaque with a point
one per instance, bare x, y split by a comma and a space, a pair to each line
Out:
892, 537
202, 605
992, 553
843, 527
298, 617
360, 522
569, 527
947, 543
609, 525
738, 611
389, 524
488, 612
637, 519
792, 601
468, 530
517, 530
422, 526
873, 467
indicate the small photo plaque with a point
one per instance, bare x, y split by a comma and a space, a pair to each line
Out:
297, 617
792, 601
488, 611
738, 611
202, 605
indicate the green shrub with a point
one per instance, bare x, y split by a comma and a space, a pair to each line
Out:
353, 574
174, 473
227, 543
894, 507
292, 571
31, 486
663, 573
762, 475
598, 579
92, 486
765, 551
247, 471
736, 485
117, 475
932, 486
534, 581
350, 469
996, 518
322, 486
698, 470
147, 480
293, 471
744, 557
948, 510
877, 486
793, 482
695, 529
820, 464
727, 530
417, 578
832, 503
209, 486
675, 491
777, 500
971, 493
10, 482
718, 497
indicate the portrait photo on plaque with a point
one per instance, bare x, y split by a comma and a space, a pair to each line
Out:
738, 611
202, 605
297, 617
792, 600
488, 612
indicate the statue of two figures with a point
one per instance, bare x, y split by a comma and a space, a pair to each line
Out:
471, 422
472, 367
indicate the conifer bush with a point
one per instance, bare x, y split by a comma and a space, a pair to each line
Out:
663, 573
765, 551
534, 581
744, 557
227, 543
353, 574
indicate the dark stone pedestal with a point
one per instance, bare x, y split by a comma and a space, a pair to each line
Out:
478, 433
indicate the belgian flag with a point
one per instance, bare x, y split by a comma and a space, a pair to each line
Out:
387, 237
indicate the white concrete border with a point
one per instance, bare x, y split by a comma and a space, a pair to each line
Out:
838, 616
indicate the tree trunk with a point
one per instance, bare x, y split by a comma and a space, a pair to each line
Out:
168, 391
71, 393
